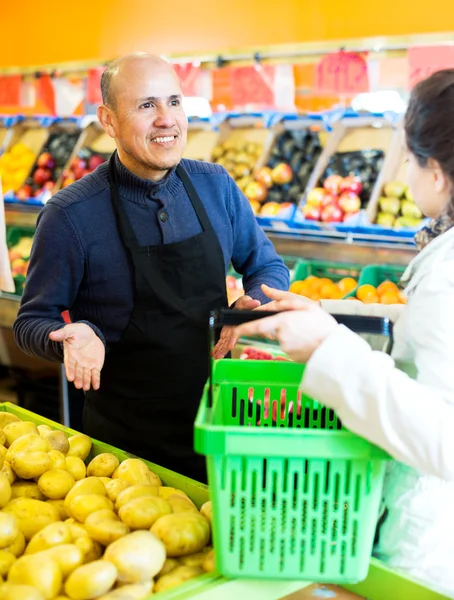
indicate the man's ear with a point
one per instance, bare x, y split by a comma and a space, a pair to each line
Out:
107, 120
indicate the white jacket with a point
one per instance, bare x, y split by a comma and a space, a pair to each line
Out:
404, 404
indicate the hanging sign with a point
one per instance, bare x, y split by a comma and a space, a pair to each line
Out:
10, 90
425, 60
94, 85
342, 73
253, 85
189, 75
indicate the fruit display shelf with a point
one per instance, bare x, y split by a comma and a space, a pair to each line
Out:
6, 129
381, 582
202, 139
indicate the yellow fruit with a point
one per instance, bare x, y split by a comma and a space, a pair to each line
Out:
12, 591
135, 491
104, 527
133, 470
76, 467
114, 487
5, 490
32, 515
82, 506
79, 445
182, 533
9, 529
367, 292
141, 513
39, 570
387, 286
6, 560
347, 285
54, 534
57, 459
103, 465
389, 298
15, 430
30, 464
56, 483
138, 556
91, 580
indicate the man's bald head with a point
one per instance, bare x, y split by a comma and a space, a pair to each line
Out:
123, 65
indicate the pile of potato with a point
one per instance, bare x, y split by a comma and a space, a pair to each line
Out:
108, 530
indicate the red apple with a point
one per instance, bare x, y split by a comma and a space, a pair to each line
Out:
352, 184
79, 172
350, 202
264, 176
311, 212
270, 209
78, 163
49, 185
255, 191
316, 196
329, 199
332, 184
95, 161
42, 175
332, 214
46, 161
24, 193
282, 173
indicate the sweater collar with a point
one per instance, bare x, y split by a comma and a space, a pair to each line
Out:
135, 189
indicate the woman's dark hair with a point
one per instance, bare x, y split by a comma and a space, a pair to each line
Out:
429, 121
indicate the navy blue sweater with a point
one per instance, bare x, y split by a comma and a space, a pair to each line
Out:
79, 263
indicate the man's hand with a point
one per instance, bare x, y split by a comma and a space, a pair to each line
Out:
228, 337
83, 353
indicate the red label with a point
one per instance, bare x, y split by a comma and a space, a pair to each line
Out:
253, 85
188, 74
94, 95
342, 73
10, 90
46, 92
425, 60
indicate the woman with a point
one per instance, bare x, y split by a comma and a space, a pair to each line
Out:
403, 403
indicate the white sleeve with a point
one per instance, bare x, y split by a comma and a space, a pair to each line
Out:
355, 307
413, 420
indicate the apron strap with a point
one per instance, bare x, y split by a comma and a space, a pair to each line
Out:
124, 225
194, 198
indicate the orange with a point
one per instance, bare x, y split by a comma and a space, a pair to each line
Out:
305, 289
296, 286
347, 284
371, 298
315, 296
311, 278
328, 291
316, 285
337, 294
402, 297
365, 290
389, 298
387, 286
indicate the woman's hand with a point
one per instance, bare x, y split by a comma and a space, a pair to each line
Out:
281, 301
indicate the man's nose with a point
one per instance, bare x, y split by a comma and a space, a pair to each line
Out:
164, 117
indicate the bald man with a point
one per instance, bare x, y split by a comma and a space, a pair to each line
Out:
138, 251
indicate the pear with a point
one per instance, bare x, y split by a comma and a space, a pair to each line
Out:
390, 205
395, 189
385, 219
409, 209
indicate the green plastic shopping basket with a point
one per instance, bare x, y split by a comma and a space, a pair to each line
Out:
296, 497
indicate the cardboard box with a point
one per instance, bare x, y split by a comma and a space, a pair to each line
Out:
202, 138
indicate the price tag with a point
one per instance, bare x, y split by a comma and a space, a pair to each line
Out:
94, 85
425, 60
253, 85
189, 75
10, 90
342, 73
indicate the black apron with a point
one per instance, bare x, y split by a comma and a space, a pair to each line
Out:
152, 379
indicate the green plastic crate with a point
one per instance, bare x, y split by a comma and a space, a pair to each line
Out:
196, 491
298, 499
376, 274
334, 271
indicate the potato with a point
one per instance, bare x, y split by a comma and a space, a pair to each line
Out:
67, 556
154, 479
76, 467
194, 560
138, 556
77, 529
15, 430
6, 560
206, 511
8, 472
43, 430
114, 487
56, 483
91, 549
52, 535
3, 452
169, 565
5, 490
9, 529
91, 580
104, 527
133, 470
79, 445
39, 570
209, 563
2, 437
26, 489
32, 515
103, 465
182, 533
82, 506
60, 506
58, 441
165, 492
12, 591
7, 418
105, 481
135, 491
27, 443
18, 546
57, 459
141, 513
30, 464
135, 591
180, 504
176, 577
90, 485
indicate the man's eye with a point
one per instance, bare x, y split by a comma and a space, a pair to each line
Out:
145, 105
175, 102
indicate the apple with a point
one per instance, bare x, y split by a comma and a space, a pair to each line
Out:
49, 186
264, 176
332, 214
350, 202
316, 196
95, 161
270, 209
352, 184
332, 184
42, 175
78, 163
68, 180
24, 193
311, 212
285, 209
79, 172
255, 191
329, 199
46, 161
255, 206
282, 173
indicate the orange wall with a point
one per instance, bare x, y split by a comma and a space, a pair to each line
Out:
34, 33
